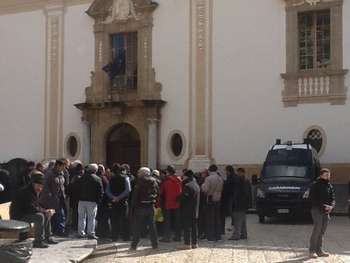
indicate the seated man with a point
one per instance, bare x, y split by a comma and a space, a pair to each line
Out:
26, 207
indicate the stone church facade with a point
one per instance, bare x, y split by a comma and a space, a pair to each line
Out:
183, 82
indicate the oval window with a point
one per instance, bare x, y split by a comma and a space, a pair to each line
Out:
315, 137
176, 144
72, 146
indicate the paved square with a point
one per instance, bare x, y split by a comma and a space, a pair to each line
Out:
267, 243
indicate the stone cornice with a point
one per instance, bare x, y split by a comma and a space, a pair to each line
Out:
19, 6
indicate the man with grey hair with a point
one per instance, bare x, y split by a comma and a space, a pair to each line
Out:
91, 193
142, 204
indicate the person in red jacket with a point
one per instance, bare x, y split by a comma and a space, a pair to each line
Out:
170, 191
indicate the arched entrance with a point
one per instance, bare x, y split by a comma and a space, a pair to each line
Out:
124, 146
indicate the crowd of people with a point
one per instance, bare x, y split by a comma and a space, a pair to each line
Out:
65, 199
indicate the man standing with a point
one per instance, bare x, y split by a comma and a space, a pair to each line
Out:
118, 190
25, 207
91, 193
142, 204
242, 197
53, 196
212, 188
189, 209
227, 196
170, 190
323, 201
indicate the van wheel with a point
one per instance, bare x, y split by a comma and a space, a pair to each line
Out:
261, 219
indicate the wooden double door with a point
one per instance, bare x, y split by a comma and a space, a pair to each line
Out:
124, 146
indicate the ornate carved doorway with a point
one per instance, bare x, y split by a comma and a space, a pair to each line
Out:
124, 146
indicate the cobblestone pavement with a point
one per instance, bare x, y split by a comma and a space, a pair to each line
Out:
271, 242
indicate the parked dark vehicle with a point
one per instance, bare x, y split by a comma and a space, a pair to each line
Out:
285, 180
12, 175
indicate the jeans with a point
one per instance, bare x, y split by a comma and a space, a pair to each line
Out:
320, 225
144, 217
42, 226
87, 211
240, 223
59, 219
172, 215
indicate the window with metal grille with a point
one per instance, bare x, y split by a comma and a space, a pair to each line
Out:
124, 55
314, 39
315, 138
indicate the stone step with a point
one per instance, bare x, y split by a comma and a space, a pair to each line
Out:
67, 251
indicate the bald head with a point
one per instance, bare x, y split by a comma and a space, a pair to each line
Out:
144, 171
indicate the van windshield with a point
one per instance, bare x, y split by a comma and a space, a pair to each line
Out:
294, 157
271, 171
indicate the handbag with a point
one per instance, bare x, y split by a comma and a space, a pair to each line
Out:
158, 215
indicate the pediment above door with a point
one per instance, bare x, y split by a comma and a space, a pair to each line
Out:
120, 10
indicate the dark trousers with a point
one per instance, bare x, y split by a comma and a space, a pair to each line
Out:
144, 218
74, 222
119, 222
224, 212
190, 230
240, 223
213, 221
58, 220
320, 226
104, 216
172, 215
202, 218
42, 226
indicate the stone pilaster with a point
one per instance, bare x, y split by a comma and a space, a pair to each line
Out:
54, 11
152, 143
201, 84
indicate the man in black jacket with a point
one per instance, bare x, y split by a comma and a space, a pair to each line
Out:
91, 192
25, 207
241, 202
189, 209
323, 201
144, 197
118, 191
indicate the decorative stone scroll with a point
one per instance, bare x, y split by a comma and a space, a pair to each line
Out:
311, 2
121, 10
201, 23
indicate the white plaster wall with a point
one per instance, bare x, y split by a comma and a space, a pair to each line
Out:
248, 115
79, 54
171, 62
22, 80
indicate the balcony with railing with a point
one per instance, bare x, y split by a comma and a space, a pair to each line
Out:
314, 86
